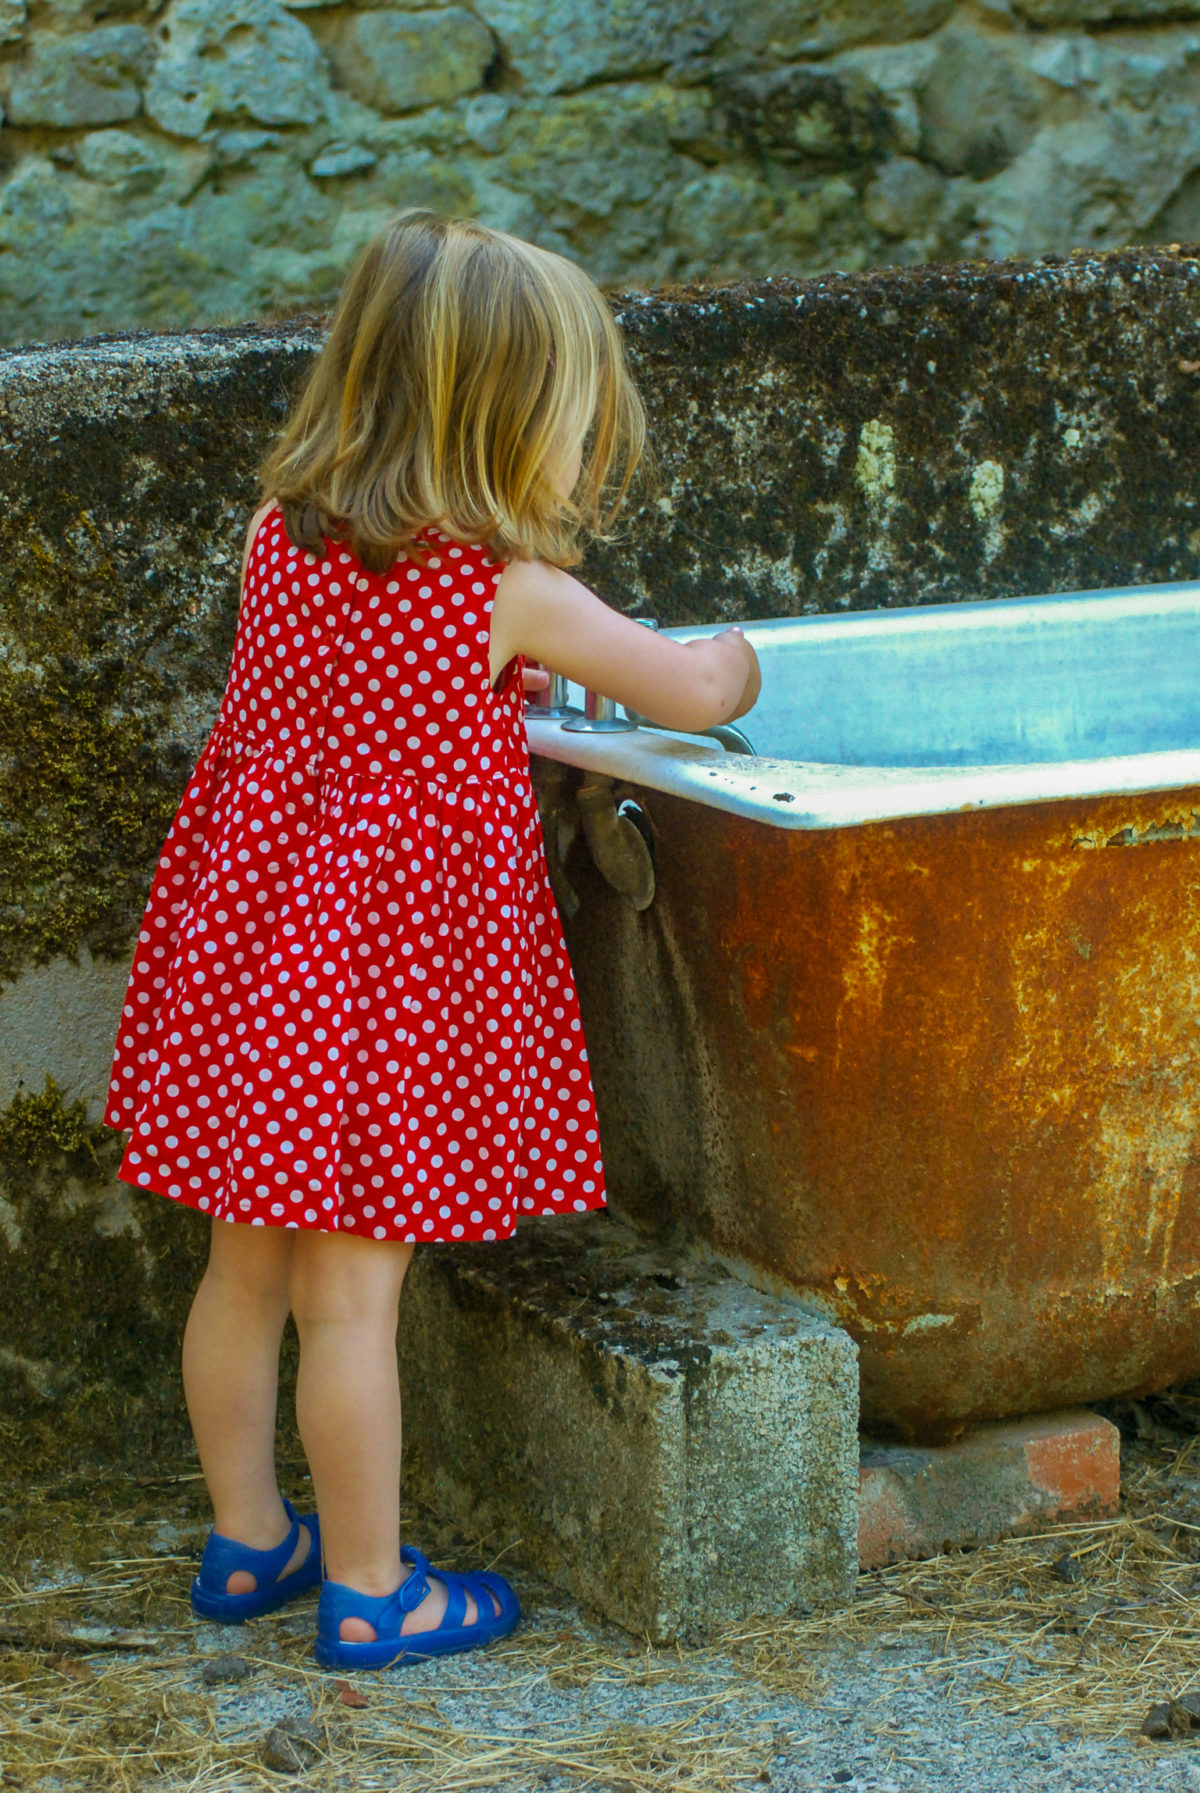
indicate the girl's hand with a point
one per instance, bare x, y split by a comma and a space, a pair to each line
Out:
536, 679
753, 685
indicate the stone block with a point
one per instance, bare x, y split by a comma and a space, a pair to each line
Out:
807, 113
672, 1446
13, 14
726, 217
978, 106
89, 78
231, 58
896, 74
602, 166
64, 15
1105, 12
556, 46
905, 197
785, 30
338, 159
60, 1021
33, 198
1019, 1476
119, 159
400, 61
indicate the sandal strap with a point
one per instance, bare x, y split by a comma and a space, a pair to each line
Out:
224, 1557
456, 1601
413, 1590
385, 1613
485, 1584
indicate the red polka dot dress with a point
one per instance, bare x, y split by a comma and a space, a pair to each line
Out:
351, 1004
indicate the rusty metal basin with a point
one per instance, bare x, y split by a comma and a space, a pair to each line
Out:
920, 1043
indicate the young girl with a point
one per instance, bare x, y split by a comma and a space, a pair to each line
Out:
351, 1025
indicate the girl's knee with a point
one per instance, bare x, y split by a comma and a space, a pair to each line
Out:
335, 1277
255, 1259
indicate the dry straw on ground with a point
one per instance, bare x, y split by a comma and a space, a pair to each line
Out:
1083, 1627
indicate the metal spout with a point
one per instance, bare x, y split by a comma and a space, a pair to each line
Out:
555, 706
599, 717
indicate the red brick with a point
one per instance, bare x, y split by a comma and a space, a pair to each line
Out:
1017, 1477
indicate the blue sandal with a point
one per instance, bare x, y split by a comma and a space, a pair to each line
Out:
223, 1557
386, 1612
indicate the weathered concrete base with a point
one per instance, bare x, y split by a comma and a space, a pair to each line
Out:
1001, 1480
675, 1448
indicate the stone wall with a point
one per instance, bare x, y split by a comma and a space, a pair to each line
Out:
919, 436
196, 160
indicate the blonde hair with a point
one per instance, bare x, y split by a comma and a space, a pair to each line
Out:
462, 370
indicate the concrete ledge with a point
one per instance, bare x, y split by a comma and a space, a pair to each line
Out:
675, 1448
1001, 1480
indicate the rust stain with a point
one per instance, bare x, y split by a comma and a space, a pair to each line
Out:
946, 1071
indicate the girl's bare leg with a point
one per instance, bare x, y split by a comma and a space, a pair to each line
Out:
345, 1293
231, 1376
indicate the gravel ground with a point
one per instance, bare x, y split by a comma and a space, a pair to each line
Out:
874, 1699
881, 1724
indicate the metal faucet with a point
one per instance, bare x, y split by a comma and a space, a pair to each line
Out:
555, 706
599, 717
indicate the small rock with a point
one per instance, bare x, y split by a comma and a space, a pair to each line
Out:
132, 165
221, 1669
400, 61
234, 58
89, 78
290, 1747
978, 106
12, 20
343, 158
1167, 1718
1067, 1568
349, 1695
559, 46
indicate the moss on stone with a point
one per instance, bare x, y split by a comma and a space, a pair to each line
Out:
127, 483
96, 1281
1074, 375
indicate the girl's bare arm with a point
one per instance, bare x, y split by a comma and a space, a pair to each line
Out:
544, 613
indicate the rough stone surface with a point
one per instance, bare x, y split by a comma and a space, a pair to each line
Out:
978, 105
997, 1483
59, 1021
96, 1280
1104, 12
120, 608
675, 1448
656, 143
562, 45
90, 78
783, 29
13, 14
399, 61
341, 159
234, 58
